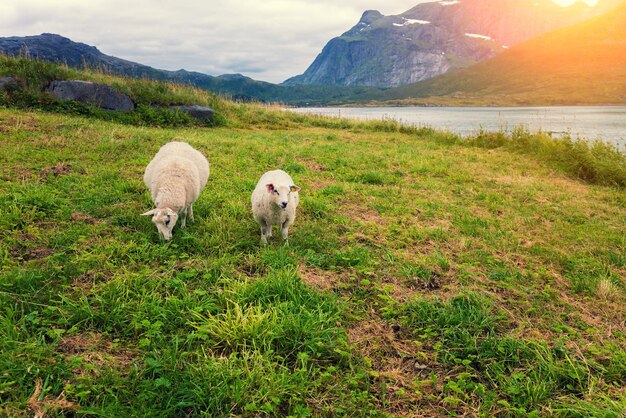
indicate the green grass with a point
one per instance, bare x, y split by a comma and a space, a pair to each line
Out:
426, 274
498, 370
489, 262
596, 163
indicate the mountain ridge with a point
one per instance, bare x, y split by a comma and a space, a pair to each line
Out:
580, 64
59, 49
433, 38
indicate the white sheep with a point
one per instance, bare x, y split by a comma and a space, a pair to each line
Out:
175, 176
274, 202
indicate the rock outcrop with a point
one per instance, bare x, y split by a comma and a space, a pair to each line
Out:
96, 94
8, 84
202, 113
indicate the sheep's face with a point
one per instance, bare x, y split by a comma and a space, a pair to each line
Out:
280, 195
164, 219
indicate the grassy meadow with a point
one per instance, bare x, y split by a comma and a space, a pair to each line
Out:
426, 275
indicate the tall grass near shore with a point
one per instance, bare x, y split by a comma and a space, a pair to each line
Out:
594, 162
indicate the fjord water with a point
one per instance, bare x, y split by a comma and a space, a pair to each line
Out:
606, 123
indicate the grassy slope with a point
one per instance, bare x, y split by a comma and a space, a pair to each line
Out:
503, 281
581, 64
424, 276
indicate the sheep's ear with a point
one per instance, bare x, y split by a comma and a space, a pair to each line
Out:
270, 187
148, 213
294, 188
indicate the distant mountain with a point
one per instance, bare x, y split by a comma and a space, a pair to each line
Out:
433, 38
58, 49
581, 64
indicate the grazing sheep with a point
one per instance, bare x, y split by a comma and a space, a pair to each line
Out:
274, 202
175, 176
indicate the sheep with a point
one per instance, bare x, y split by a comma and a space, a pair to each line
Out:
274, 202
175, 177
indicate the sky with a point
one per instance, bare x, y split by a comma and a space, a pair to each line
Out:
269, 40
570, 2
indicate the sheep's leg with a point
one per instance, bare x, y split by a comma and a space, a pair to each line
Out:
266, 231
285, 231
183, 218
191, 213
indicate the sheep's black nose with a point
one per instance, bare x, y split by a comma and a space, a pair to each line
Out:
283, 204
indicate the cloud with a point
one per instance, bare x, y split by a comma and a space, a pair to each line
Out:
270, 40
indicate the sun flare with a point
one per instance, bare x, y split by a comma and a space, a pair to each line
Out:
565, 3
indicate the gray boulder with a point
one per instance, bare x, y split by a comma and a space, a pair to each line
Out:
96, 94
202, 113
8, 84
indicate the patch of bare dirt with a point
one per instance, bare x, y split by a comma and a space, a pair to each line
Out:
403, 369
27, 250
83, 217
433, 282
321, 183
86, 281
17, 174
608, 317
57, 170
250, 267
27, 254
566, 186
312, 165
95, 353
23, 123
317, 278
42, 407
360, 212
604, 317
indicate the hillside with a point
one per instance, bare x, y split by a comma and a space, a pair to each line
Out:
426, 274
433, 38
58, 49
581, 64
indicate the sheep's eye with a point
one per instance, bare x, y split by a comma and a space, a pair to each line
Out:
277, 192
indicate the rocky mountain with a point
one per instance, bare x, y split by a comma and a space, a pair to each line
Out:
59, 49
580, 64
433, 38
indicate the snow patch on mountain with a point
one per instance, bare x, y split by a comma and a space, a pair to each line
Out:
412, 22
475, 35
